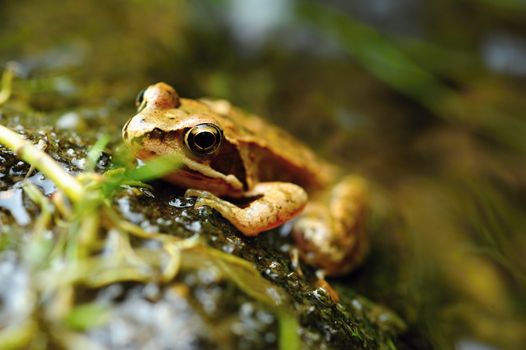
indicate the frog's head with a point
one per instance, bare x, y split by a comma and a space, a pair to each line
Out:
189, 129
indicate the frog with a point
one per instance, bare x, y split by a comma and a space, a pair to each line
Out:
254, 174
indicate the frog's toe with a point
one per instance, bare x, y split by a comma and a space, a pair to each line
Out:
198, 193
201, 202
203, 198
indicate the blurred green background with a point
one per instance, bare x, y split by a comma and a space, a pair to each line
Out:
424, 98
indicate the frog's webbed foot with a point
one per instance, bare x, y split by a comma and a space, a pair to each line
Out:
275, 203
330, 233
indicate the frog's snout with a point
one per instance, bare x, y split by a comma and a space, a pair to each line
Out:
162, 96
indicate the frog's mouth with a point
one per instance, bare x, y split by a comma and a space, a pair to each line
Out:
192, 174
199, 171
187, 178
219, 174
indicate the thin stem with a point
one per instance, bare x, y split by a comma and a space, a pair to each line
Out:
26, 151
7, 80
46, 208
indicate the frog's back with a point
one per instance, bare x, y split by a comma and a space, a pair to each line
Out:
280, 156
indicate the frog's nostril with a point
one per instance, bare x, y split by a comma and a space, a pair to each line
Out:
175, 99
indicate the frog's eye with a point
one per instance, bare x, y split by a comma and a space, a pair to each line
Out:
139, 100
203, 139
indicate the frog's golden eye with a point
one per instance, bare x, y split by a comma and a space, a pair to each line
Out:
140, 103
203, 139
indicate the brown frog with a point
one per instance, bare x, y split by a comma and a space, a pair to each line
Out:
231, 157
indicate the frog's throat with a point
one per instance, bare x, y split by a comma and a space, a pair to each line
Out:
207, 171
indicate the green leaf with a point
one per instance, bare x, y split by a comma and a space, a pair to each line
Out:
154, 168
95, 152
87, 316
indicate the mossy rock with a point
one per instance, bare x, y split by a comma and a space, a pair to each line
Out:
229, 291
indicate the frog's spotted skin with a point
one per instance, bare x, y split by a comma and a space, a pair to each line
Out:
229, 153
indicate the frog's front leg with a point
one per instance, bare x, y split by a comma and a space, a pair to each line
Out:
330, 233
275, 203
